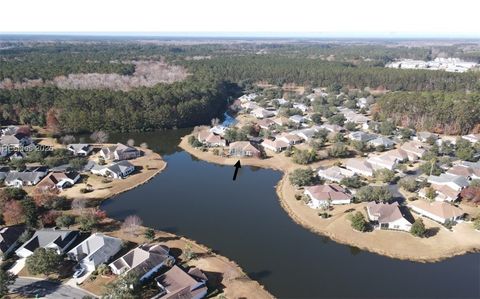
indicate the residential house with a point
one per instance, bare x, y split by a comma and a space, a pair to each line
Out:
247, 97
301, 107
118, 170
210, 139
362, 103
381, 141
281, 101
325, 195
243, 149
145, 260
305, 134
361, 136
16, 140
359, 166
265, 123
442, 193
291, 139
24, 178
298, 119
425, 136
59, 180
262, 113
9, 238
275, 145
120, 152
438, 210
453, 181
473, 138
415, 149
176, 283
335, 173
281, 121
388, 216
80, 149
56, 239
249, 105
218, 130
95, 250
468, 170
4, 170
17, 155
332, 128
10, 130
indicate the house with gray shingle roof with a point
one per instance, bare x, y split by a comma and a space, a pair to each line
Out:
118, 170
24, 178
48, 238
79, 149
95, 250
9, 238
120, 152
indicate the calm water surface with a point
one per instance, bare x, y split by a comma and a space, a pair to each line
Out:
244, 221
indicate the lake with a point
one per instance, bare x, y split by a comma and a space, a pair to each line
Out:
243, 220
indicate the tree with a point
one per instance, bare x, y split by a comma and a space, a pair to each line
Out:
387, 128
352, 182
373, 193
30, 212
67, 139
65, 221
52, 124
418, 228
431, 168
408, 183
304, 156
384, 175
124, 287
476, 224
99, 136
149, 234
13, 212
78, 163
337, 119
43, 261
338, 150
131, 224
12, 193
317, 118
6, 280
88, 221
303, 177
358, 222
351, 126
49, 218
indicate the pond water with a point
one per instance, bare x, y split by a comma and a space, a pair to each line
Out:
244, 221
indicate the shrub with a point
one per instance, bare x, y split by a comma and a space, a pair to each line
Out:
303, 177
408, 183
418, 228
358, 222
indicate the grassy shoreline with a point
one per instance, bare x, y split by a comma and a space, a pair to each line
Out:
400, 245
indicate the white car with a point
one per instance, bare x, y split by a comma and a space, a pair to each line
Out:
79, 270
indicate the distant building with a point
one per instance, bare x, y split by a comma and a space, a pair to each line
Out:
324, 195
243, 149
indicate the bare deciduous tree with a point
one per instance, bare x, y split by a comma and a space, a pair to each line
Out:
131, 224
99, 136
67, 139
79, 203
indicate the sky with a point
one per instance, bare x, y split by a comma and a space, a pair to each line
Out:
343, 18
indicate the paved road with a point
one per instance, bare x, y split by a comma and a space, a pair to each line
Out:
46, 289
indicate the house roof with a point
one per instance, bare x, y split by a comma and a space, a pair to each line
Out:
445, 178
97, 245
290, 137
328, 191
382, 140
25, 176
439, 208
385, 212
143, 258
243, 145
76, 147
45, 237
120, 166
9, 235
178, 283
52, 179
359, 164
335, 172
275, 143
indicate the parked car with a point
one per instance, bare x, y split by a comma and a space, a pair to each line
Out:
79, 270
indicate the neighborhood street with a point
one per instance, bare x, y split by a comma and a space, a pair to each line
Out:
46, 289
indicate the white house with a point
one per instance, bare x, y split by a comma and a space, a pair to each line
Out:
56, 239
79, 149
298, 119
145, 260
473, 138
262, 113
388, 216
24, 178
275, 145
118, 170
95, 250
438, 210
359, 166
335, 173
324, 195
453, 181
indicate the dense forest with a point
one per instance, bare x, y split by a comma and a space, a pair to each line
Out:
442, 112
187, 103
279, 70
211, 67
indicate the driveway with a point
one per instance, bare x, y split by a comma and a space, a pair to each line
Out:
29, 287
